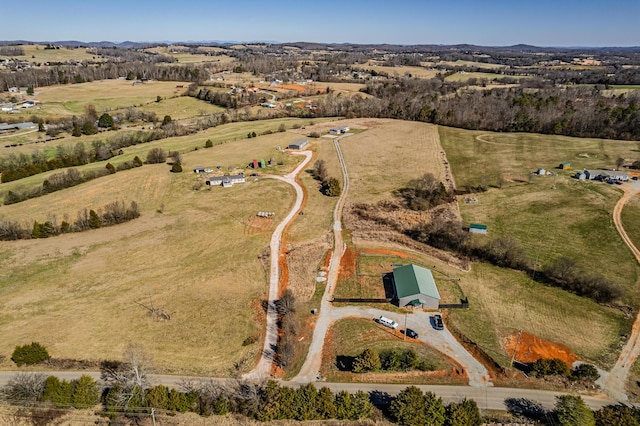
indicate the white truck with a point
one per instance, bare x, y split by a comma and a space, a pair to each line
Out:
387, 322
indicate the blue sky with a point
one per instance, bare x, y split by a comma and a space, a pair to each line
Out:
489, 22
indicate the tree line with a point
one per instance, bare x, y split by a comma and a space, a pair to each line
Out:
110, 214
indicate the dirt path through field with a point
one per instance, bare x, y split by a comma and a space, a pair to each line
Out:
264, 367
616, 380
442, 340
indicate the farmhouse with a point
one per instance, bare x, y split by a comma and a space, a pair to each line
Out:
414, 285
477, 228
298, 144
226, 181
339, 130
606, 175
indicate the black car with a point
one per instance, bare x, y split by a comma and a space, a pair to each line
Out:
410, 333
437, 322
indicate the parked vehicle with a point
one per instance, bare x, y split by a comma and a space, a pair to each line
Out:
410, 333
437, 322
387, 322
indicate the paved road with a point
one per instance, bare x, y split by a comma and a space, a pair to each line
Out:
263, 369
616, 380
491, 398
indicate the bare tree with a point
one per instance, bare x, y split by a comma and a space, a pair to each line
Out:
24, 389
128, 379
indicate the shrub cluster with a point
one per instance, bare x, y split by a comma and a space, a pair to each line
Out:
412, 407
556, 367
390, 360
81, 393
329, 186
290, 326
33, 353
424, 193
564, 273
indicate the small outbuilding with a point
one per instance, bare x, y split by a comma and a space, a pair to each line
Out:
262, 163
199, 169
298, 144
541, 172
581, 176
564, 166
477, 228
414, 285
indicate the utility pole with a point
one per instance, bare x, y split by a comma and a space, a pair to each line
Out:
405, 326
515, 350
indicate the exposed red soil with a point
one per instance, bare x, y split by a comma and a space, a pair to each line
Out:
348, 263
532, 348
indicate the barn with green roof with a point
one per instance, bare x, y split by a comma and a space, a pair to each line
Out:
414, 285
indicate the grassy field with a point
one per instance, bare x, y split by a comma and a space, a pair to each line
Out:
503, 301
631, 219
37, 53
232, 157
479, 75
548, 216
461, 63
400, 71
387, 156
181, 107
186, 250
106, 95
349, 337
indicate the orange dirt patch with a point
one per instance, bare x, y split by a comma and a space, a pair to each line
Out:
531, 348
348, 263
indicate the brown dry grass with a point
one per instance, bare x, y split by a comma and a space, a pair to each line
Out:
386, 157
75, 293
104, 94
304, 261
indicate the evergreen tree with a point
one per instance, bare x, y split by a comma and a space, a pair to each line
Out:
137, 161
158, 397
86, 392
465, 413
105, 121
306, 402
326, 404
344, 406
368, 360
208, 144
111, 168
572, 411
619, 415
94, 219
270, 404
362, 406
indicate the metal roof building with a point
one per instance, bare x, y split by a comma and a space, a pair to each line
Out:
415, 286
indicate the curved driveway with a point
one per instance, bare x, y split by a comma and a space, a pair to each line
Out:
442, 340
263, 369
616, 380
